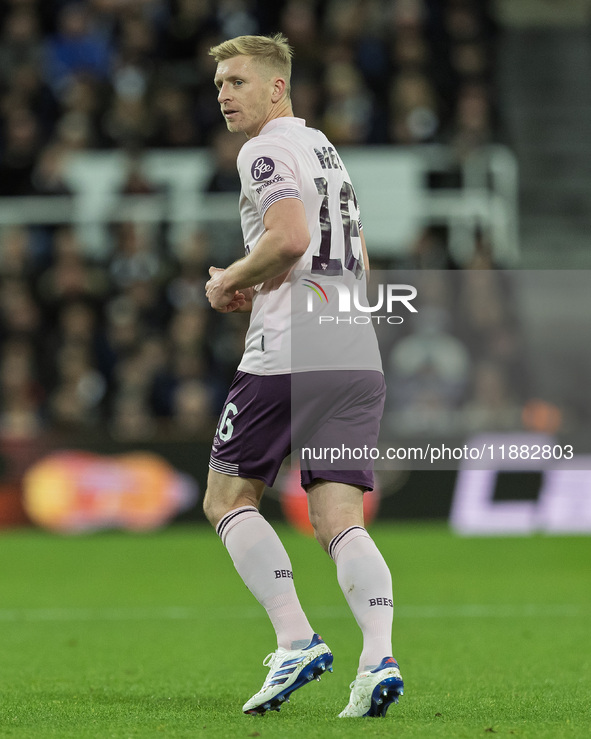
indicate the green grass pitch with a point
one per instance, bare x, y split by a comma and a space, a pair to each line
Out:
154, 635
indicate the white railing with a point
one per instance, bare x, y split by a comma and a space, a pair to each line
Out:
391, 183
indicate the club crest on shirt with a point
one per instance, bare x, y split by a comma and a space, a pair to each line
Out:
262, 168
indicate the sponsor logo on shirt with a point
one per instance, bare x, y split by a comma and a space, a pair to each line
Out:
262, 168
266, 183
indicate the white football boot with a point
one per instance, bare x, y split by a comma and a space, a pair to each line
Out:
373, 691
288, 671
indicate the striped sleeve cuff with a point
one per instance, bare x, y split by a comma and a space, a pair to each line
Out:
279, 195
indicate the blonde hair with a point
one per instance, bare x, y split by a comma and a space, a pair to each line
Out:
273, 52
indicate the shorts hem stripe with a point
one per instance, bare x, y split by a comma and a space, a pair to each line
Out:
226, 468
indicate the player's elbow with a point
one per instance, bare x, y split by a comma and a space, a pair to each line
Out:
293, 245
294, 252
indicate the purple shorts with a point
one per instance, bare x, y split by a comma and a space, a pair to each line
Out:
266, 417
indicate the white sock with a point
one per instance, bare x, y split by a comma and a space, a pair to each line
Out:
366, 582
264, 566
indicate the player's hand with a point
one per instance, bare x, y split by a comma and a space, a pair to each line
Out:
220, 298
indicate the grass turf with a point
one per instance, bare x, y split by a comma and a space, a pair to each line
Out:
117, 635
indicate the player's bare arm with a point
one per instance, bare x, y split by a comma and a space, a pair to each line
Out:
285, 240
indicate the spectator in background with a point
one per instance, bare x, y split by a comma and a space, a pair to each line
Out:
348, 114
192, 410
135, 257
133, 377
409, 50
131, 419
136, 180
22, 145
187, 356
187, 331
75, 402
413, 108
113, 10
236, 18
123, 330
129, 120
49, 176
306, 100
26, 89
225, 151
201, 71
78, 321
15, 253
140, 271
86, 96
76, 324
186, 288
76, 46
21, 394
174, 123
153, 350
20, 42
70, 274
299, 23
20, 314
188, 24
473, 127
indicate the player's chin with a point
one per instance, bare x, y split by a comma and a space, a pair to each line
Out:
233, 127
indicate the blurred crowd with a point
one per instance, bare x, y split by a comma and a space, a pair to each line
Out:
135, 73
127, 343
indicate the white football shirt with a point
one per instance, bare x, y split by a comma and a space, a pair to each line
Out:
289, 160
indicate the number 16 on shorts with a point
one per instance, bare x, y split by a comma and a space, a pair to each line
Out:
225, 427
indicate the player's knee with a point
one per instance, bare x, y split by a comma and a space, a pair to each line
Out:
320, 532
217, 504
322, 539
212, 510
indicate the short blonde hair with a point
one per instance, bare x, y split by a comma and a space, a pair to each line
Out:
273, 52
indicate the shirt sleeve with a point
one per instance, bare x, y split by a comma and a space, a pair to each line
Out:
268, 173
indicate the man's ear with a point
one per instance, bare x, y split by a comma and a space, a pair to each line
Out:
278, 89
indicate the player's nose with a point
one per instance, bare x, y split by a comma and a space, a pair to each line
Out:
223, 93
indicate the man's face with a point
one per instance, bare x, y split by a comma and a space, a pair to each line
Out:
244, 94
